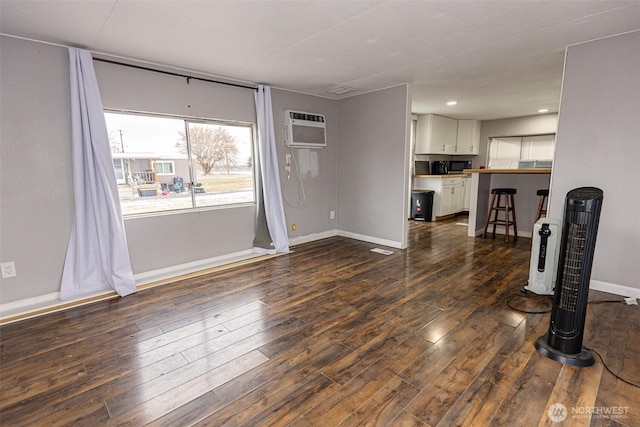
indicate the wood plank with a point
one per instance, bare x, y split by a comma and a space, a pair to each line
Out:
384, 406
480, 401
179, 395
258, 389
198, 368
53, 406
331, 333
440, 394
298, 401
528, 397
349, 397
14, 393
428, 365
577, 393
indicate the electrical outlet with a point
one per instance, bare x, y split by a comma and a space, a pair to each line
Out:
8, 269
287, 159
332, 215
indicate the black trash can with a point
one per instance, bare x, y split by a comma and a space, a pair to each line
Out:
422, 205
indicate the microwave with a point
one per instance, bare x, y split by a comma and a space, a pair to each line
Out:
457, 166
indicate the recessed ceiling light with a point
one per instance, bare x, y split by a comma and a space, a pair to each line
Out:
543, 110
340, 90
450, 103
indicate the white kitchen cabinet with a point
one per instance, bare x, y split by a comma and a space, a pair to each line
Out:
450, 138
436, 135
448, 197
466, 194
468, 137
452, 196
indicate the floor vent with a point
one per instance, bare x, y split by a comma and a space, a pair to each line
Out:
381, 251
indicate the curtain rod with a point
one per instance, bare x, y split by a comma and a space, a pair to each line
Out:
124, 64
108, 61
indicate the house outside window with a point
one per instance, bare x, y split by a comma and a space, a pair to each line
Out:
168, 163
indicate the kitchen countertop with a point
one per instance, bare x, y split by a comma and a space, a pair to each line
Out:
523, 171
456, 175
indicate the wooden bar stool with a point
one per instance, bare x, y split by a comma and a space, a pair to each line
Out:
541, 209
508, 208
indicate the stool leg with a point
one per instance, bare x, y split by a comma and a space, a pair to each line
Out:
506, 218
496, 213
486, 224
513, 213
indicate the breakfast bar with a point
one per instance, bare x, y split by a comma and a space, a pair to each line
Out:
526, 181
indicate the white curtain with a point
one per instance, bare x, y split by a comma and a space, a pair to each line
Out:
270, 178
97, 255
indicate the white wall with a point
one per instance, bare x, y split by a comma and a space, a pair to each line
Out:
37, 197
373, 169
312, 219
37, 194
598, 144
515, 126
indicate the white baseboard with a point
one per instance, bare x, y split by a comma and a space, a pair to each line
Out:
33, 303
613, 288
49, 303
192, 267
31, 307
312, 237
376, 240
44, 304
332, 233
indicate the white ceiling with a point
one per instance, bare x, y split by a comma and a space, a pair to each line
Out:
497, 59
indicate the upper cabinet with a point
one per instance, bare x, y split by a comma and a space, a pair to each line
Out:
468, 137
443, 135
450, 135
436, 135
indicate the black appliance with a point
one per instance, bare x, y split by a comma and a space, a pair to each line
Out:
422, 205
421, 167
439, 168
563, 340
458, 166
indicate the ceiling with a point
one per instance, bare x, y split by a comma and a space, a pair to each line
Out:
497, 59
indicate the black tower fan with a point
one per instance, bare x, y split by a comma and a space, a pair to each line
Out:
563, 340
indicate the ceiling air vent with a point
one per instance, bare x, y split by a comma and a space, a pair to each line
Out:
341, 90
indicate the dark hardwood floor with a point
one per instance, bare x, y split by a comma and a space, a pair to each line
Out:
329, 335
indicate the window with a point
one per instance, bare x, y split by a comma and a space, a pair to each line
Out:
172, 163
508, 152
164, 168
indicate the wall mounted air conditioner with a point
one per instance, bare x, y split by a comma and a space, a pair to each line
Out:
545, 248
305, 129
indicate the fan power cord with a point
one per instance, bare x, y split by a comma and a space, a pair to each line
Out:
609, 369
524, 293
